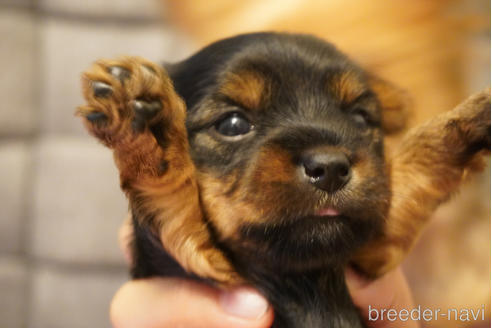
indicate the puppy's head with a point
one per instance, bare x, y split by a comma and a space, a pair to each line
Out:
287, 137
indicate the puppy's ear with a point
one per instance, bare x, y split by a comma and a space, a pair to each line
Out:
396, 104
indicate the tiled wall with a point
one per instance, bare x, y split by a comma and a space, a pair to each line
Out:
60, 203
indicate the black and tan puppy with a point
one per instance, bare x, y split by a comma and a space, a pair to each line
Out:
265, 164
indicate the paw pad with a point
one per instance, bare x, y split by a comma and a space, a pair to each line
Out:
144, 111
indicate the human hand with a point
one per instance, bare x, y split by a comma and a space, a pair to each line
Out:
170, 302
390, 291
173, 302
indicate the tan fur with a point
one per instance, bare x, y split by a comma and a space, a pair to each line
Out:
226, 212
347, 87
274, 166
394, 102
171, 196
246, 87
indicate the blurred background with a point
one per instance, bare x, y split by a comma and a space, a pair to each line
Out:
60, 203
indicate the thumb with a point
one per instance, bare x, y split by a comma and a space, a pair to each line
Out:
172, 302
390, 291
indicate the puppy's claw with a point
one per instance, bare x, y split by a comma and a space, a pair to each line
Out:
96, 117
101, 90
119, 72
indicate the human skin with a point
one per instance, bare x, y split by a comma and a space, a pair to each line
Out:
172, 302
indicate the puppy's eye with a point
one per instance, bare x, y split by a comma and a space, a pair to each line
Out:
233, 125
361, 117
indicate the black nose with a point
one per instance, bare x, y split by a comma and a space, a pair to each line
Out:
329, 171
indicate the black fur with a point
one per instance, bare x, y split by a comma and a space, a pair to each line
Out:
298, 263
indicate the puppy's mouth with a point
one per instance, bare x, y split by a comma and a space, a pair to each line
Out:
328, 212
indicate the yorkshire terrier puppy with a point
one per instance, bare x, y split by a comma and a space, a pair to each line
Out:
260, 160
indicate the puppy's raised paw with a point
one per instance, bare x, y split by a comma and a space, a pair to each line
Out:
125, 97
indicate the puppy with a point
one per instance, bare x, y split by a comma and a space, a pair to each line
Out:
260, 160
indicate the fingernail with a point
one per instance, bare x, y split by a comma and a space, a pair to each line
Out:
244, 302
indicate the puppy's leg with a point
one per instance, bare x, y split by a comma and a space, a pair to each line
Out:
133, 109
427, 168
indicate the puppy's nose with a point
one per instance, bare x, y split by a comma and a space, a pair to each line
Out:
329, 171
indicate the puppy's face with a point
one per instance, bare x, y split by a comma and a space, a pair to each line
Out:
287, 137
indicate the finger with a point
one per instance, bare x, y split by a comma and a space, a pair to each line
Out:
125, 234
170, 302
388, 292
